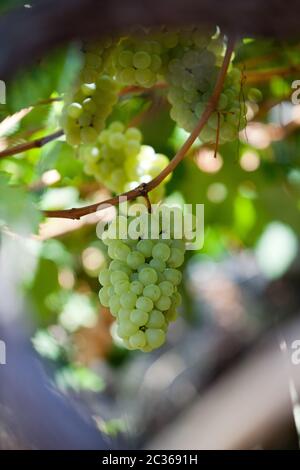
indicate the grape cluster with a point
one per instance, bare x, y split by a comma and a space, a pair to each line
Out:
191, 77
137, 60
92, 99
121, 162
85, 116
141, 59
140, 287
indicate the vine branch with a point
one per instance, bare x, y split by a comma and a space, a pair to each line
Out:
37, 143
142, 189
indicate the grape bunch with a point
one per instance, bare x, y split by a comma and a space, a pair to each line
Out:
141, 58
121, 162
84, 115
91, 100
140, 287
137, 60
191, 78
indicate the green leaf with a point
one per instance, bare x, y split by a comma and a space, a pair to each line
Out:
17, 208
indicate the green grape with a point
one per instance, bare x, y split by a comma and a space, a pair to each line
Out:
156, 320
125, 58
144, 303
128, 300
155, 337
145, 247
136, 287
153, 292
122, 251
173, 275
138, 340
111, 291
88, 89
148, 276
124, 315
118, 276
122, 287
166, 288
161, 252
135, 259
141, 60
74, 110
104, 277
139, 317
176, 299
126, 329
158, 265
117, 265
133, 134
163, 303
114, 304
171, 315
104, 297
176, 259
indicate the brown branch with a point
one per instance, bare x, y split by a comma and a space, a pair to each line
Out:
30, 145
142, 189
261, 76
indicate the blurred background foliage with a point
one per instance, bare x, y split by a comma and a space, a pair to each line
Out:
251, 193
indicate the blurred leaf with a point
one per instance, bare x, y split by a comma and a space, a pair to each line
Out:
17, 207
79, 378
46, 345
112, 427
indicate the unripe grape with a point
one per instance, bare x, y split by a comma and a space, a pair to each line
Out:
144, 303
138, 340
139, 317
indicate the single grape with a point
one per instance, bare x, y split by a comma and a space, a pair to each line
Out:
145, 247
176, 259
173, 275
124, 315
166, 288
136, 287
104, 277
74, 110
104, 297
118, 276
135, 259
161, 252
138, 340
148, 276
156, 319
126, 329
139, 317
128, 300
122, 287
155, 337
114, 304
152, 291
144, 303
158, 265
163, 303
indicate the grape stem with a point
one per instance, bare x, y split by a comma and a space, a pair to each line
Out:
145, 188
37, 143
